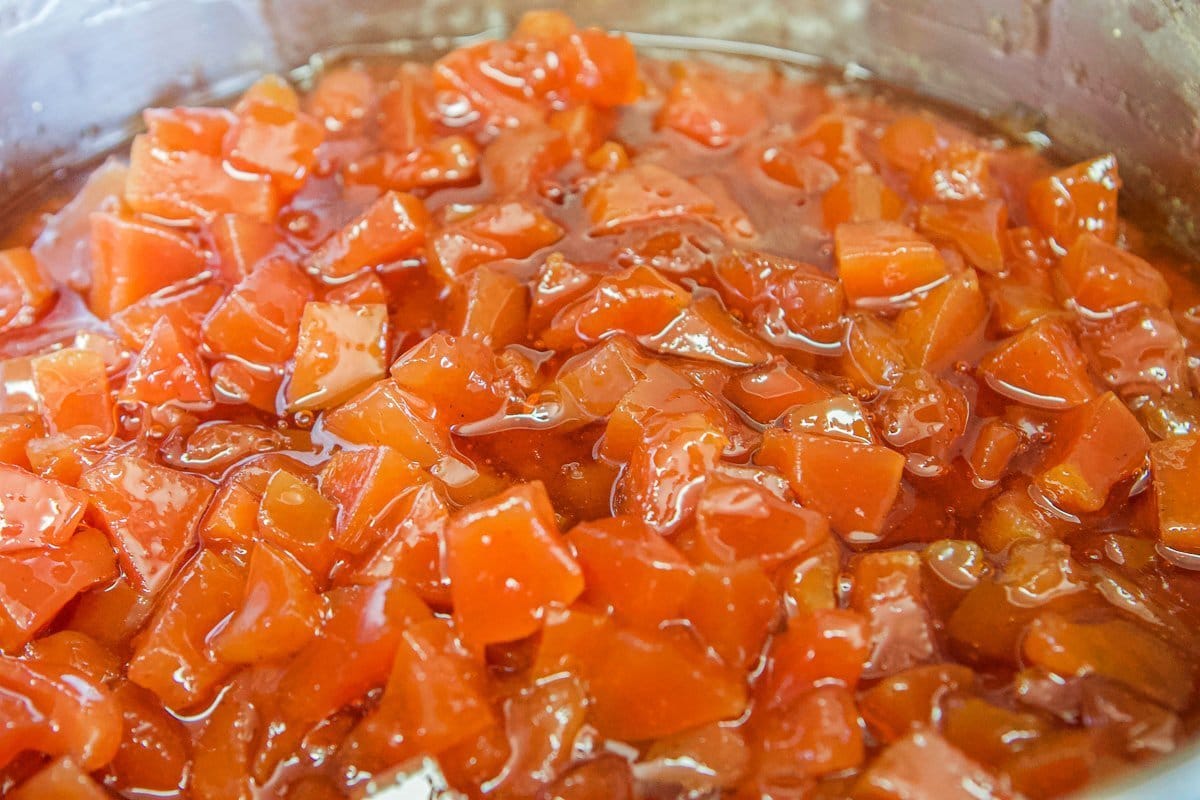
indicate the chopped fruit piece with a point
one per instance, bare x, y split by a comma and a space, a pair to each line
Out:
860, 197
520, 158
391, 229
259, 320
171, 658
839, 416
199, 130
922, 766
340, 349
155, 760
873, 358
241, 244
36, 584
414, 549
1041, 366
508, 565
632, 570
825, 647
1102, 278
189, 186
513, 229
710, 108
643, 684
791, 304
363, 626
668, 468
1117, 649
885, 260
945, 325
908, 142
853, 484
1174, 464
54, 710
271, 140
35, 512
296, 518
636, 302
887, 591
643, 193
733, 609
279, 612
1077, 200
167, 370
495, 308
738, 520
72, 390
16, 431
705, 331
62, 780
434, 699
959, 174
994, 448
185, 310
977, 231
26, 291
1096, 446
384, 414
818, 733
224, 749
455, 375
366, 485
149, 512
765, 393
910, 700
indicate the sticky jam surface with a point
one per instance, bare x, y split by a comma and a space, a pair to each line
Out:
540, 423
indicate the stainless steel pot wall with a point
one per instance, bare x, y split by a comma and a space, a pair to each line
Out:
1093, 75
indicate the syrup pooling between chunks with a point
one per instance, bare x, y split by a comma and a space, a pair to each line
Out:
547, 424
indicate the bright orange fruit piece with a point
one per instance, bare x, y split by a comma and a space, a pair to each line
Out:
72, 390
644, 684
391, 229
1077, 200
1041, 366
632, 570
167, 370
853, 484
1174, 464
279, 612
36, 512
508, 564
150, 513
885, 260
1096, 446
172, 657
339, 350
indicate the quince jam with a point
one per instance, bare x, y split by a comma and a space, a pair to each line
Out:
539, 423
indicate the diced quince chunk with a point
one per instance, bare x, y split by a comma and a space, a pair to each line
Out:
1096, 446
36, 512
885, 260
853, 484
339, 350
150, 513
508, 564
1175, 463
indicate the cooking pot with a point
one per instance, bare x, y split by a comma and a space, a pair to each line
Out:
1088, 76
